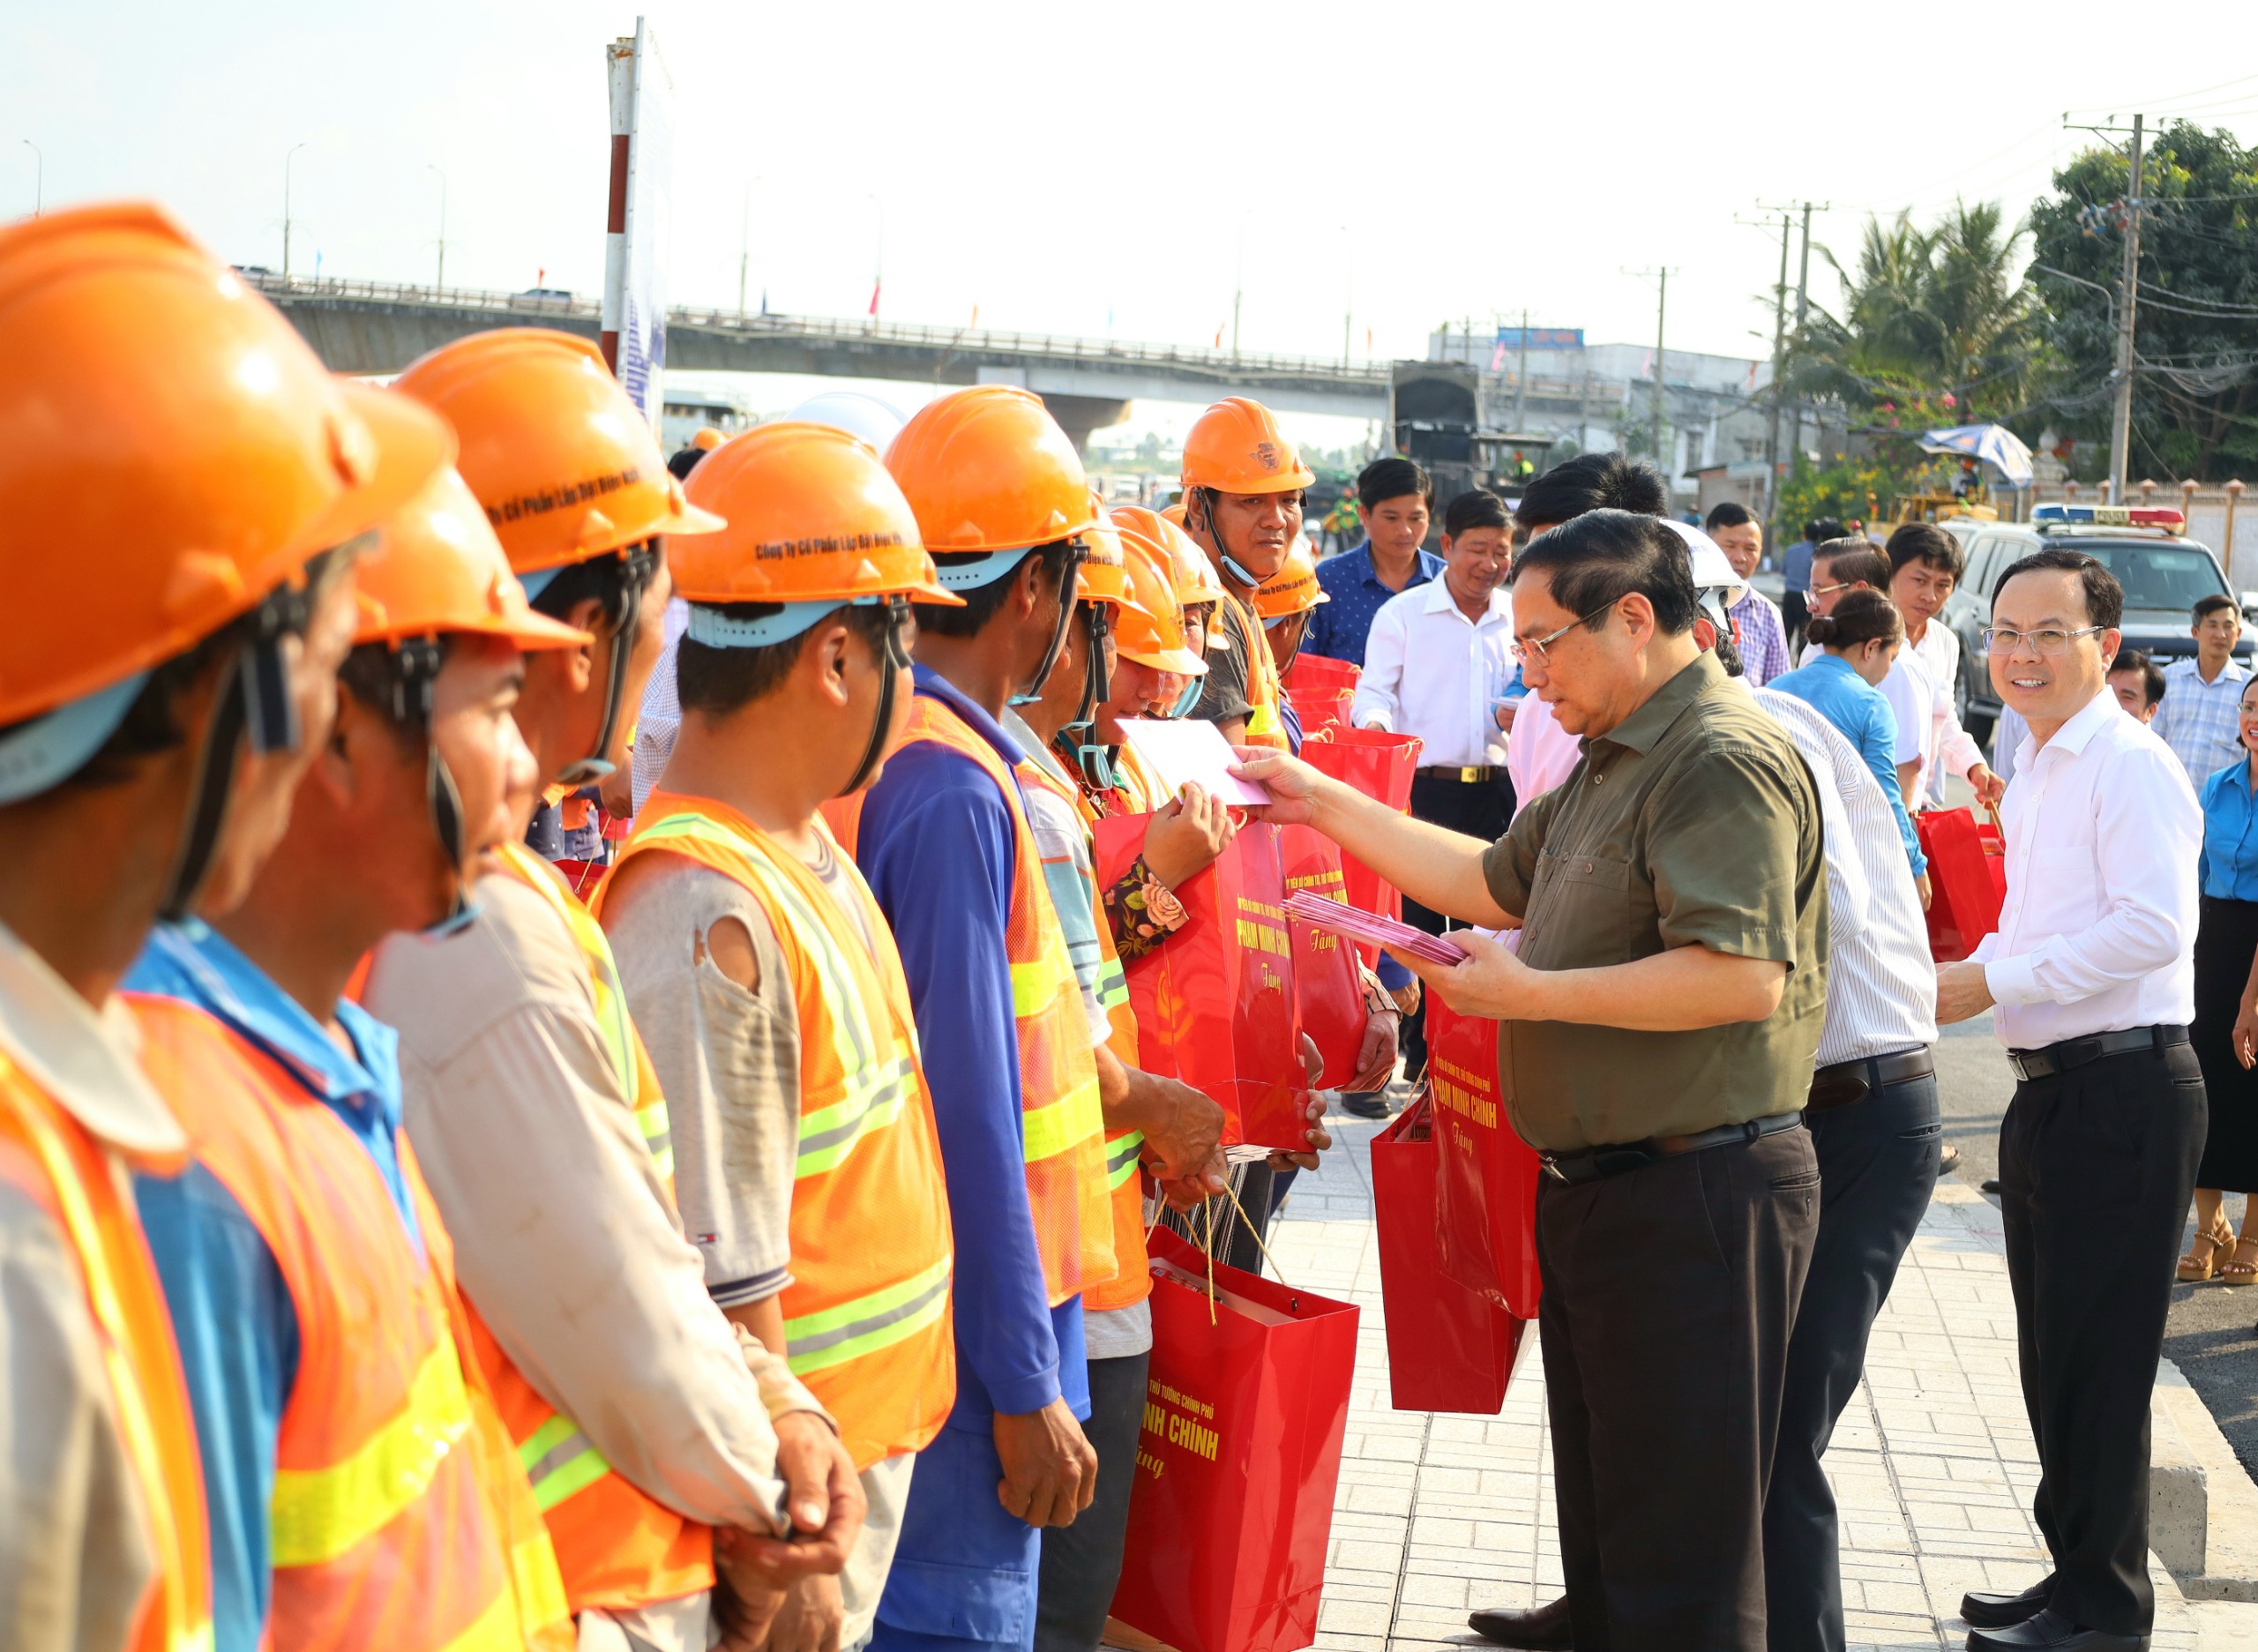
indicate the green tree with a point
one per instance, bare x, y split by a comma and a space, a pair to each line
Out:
2196, 343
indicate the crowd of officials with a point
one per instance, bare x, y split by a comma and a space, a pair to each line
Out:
407, 1245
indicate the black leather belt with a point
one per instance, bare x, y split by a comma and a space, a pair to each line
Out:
1845, 1082
1467, 776
1591, 1163
2071, 1053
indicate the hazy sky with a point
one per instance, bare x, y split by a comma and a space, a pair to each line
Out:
1085, 168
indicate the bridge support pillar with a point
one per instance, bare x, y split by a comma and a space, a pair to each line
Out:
1079, 416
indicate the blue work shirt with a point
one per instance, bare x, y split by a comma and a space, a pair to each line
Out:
934, 844
2228, 867
1337, 629
231, 1310
1795, 566
1830, 686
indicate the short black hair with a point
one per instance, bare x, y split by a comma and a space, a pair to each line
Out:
2104, 598
1926, 541
718, 681
1592, 482
605, 578
1820, 530
2152, 683
984, 602
2206, 606
1732, 513
682, 461
1392, 479
1597, 559
1853, 561
1476, 507
1860, 617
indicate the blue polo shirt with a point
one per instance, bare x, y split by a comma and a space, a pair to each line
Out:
1338, 628
232, 1315
934, 844
2228, 869
1861, 711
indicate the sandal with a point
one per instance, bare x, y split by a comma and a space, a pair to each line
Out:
2242, 1267
2204, 1260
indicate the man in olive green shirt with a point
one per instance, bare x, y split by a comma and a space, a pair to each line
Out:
1658, 1025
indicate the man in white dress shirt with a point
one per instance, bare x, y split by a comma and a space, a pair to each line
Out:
1926, 563
2092, 969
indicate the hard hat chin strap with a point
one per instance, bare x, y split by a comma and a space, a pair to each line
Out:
893, 660
1068, 577
416, 664
637, 565
1232, 566
1098, 688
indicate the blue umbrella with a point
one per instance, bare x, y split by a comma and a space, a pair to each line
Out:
1994, 444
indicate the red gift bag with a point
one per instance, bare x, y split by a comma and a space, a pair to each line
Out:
1379, 765
1328, 983
1968, 879
1214, 1002
1321, 671
1449, 1349
1320, 708
1486, 1180
1246, 1403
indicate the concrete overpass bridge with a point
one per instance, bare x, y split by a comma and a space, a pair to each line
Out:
380, 327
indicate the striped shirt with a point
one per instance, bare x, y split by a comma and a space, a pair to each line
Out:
1762, 638
2197, 719
1882, 985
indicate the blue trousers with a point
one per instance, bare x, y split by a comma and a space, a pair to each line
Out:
964, 1573
1878, 1161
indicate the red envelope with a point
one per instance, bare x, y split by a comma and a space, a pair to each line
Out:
1328, 985
1449, 1349
1246, 1404
1485, 1181
1216, 1001
1968, 879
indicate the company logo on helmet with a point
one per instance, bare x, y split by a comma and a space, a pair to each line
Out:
1268, 452
556, 498
827, 544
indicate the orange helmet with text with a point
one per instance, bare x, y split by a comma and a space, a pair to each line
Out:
437, 568
1104, 575
1148, 631
1294, 588
565, 463
987, 469
1236, 447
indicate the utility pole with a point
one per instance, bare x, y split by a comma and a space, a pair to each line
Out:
2120, 420
1661, 309
1520, 376
285, 207
1786, 209
1238, 284
39, 178
744, 247
1349, 302
440, 281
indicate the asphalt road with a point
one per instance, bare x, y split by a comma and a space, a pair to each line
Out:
2212, 1334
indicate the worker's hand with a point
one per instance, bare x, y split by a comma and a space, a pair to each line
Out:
1313, 1060
1050, 1467
1317, 1135
811, 1618
745, 1603
1501, 712
1185, 834
1296, 790
1407, 998
1963, 993
1924, 888
1988, 787
617, 791
1376, 1057
1184, 1134
825, 1498
2244, 1041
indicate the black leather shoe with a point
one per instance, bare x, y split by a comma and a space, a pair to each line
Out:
1979, 1610
1545, 1629
2051, 1632
1373, 1106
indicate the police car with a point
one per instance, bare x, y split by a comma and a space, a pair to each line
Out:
2164, 573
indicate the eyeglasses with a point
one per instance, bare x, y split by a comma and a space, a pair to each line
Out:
1821, 590
2001, 641
1535, 647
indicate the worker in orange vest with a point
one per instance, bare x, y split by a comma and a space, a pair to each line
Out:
174, 457
1283, 603
755, 958
645, 1421
308, 1276
1243, 484
1001, 501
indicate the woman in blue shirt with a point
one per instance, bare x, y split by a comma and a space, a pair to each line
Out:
2224, 945
1858, 640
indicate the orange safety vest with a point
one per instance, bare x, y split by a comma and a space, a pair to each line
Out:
616, 1544
1062, 1126
866, 1316
399, 1520
60, 1164
1263, 690
1132, 1280
1137, 788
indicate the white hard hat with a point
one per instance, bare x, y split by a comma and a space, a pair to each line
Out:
856, 412
1711, 571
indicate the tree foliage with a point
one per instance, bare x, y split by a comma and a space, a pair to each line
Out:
2195, 408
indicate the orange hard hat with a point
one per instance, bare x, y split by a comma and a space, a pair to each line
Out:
706, 439
987, 469
1104, 576
1190, 572
814, 517
565, 465
437, 568
1148, 631
1175, 513
1294, 588
1237, 447
170, 453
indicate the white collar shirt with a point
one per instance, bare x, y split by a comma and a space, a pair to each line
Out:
1431, 672
1946, 748
1880, 983
2097, 931
1542, 754
83, 1059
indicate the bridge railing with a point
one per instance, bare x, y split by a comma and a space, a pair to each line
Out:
1050, 347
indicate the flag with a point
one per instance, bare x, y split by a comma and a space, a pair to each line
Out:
975, 325
1498, 357
1368, 340
1219, 335
874, 296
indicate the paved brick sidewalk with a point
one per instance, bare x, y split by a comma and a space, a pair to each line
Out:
1932, 1464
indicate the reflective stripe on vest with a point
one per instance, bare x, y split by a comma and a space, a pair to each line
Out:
126, 1306
613, 1026
866, 1316
318, 1514
1263, 688
558, 1461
